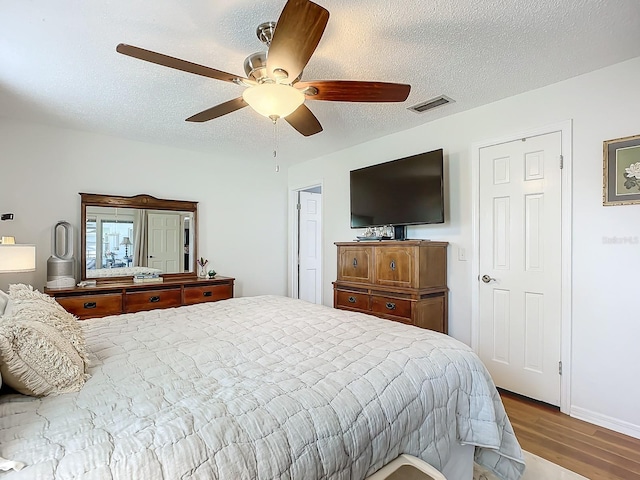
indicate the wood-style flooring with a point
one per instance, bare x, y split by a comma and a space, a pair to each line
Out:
590, 450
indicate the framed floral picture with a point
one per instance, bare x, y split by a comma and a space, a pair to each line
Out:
622, 171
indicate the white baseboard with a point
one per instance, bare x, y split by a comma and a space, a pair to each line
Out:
605, 421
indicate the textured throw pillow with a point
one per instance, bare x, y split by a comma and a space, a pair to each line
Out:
30, 304
36, 359
42, 348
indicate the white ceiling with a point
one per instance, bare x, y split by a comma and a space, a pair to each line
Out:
58, 63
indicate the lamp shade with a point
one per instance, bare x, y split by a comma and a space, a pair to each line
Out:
125, 241
17, 258
273, 99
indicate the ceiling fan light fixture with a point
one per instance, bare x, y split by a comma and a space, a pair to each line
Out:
273, 99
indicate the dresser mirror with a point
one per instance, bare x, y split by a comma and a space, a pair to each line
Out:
126, 236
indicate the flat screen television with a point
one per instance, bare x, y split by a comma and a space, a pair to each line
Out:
406, 191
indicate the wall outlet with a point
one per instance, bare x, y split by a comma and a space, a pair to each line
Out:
462, 254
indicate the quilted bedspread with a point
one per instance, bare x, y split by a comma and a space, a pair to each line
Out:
259, 388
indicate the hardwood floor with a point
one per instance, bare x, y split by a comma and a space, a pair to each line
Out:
590, 450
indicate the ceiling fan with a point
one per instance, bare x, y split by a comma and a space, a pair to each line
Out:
273, 81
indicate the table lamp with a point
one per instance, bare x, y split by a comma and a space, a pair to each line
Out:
17, 258
126, 242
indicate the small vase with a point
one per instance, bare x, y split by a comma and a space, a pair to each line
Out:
203, 272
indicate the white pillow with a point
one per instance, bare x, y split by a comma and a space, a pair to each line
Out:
42, 347
29, 304
36, 359
4, 299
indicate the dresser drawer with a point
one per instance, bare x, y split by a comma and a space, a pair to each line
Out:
391, 306
152, 299
207, 293
358, 301
89, 306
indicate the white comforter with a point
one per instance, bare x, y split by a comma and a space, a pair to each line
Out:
260, 387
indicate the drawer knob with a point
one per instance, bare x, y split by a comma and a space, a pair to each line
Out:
154, 299
392, 265
352, 299
90, 305
390, 306
207, 294
355, 262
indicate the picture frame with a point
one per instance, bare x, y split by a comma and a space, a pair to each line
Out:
621, 185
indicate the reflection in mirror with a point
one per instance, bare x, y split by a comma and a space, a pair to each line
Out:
122, 241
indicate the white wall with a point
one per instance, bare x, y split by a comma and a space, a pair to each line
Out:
242, 206
606, 324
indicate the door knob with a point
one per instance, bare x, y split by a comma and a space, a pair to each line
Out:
487, 279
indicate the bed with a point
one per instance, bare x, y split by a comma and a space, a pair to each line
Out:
260, 387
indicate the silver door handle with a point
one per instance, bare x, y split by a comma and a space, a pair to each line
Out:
487, 279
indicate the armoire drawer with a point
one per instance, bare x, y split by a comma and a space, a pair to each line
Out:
391, 306
208, 293
353, 300
152, 299
89, 306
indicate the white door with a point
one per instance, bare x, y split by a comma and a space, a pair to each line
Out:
309, 254
520, 265
165, 243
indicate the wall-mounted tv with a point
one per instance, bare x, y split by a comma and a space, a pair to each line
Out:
407, 191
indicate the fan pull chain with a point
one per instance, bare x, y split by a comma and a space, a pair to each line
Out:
275, 143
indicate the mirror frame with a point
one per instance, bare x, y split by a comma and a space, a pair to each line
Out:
136, 201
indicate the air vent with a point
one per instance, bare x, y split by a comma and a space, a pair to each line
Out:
430, 104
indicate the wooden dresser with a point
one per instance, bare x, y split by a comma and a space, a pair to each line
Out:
405, 281
127, 297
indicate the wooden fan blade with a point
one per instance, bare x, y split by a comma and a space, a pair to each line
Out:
297, 34
172, 62
218, 110
355, 91
304, 121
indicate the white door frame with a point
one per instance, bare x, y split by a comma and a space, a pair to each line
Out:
565, 354
293, 238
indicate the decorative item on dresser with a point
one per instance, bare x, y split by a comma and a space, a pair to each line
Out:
405, 281
126, 297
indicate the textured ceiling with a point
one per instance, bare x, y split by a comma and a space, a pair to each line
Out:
58, 63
